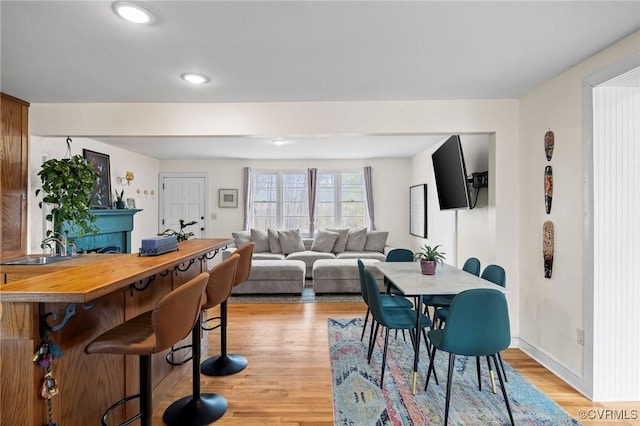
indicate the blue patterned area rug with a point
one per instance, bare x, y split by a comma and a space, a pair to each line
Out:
359, 401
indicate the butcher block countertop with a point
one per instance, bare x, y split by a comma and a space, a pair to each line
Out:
92, 276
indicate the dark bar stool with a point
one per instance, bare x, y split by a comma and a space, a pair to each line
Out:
169, 322
197, 408
226, 364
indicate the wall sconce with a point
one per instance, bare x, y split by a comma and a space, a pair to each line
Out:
126, 179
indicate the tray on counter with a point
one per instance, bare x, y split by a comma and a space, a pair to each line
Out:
158, 250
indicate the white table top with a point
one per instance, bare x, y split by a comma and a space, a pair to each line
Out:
408, 278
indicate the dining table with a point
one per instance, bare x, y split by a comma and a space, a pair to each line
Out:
407, 277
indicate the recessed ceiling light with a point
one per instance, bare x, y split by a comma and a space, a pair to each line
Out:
279, 141
132, 12
195, 78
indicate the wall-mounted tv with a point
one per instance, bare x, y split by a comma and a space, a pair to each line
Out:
451, 175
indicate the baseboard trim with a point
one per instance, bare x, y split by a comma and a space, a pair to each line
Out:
569, 377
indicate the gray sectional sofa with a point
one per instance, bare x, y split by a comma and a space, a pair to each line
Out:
283, 260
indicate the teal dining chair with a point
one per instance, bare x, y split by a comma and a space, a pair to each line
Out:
391, 319
472, 266
478, 325
497, 275
388, 301
397, 255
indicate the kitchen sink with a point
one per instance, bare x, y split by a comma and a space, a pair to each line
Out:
37, 260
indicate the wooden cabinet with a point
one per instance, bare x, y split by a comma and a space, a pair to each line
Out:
14, 167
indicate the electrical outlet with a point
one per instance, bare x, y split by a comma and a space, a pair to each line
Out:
580, 336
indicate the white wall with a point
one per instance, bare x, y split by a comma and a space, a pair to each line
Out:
145, 169
387, 176
552, 309
471, 226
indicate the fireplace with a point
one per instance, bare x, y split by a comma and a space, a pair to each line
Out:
115, 232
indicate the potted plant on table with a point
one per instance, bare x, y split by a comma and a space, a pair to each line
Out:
429, 257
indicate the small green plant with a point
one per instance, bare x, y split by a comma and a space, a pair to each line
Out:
181, 235
430, 254
119, 196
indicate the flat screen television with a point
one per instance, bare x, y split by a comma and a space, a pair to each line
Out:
451, 175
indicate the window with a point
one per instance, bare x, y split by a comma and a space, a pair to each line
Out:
352, 201
281, 200
264, 190
295, 201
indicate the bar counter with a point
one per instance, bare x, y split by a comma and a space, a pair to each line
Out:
72, 302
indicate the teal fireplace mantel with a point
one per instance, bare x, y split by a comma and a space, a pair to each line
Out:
115, 227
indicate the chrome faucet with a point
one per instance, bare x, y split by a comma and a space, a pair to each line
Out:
61, 242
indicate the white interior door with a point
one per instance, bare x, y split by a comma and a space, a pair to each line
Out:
183, 197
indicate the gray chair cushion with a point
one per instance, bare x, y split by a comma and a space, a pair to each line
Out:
285, 276
324, 241
261, 238
376, 241
268, 256
274, 242
285, 270
241, 238
290, 241
362, 255
341, 243
356, 240
309, 257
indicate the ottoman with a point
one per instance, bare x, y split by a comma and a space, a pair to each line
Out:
341, 275
269, 276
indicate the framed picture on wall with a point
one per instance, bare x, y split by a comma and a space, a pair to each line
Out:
102, 194
228, 198
418, 210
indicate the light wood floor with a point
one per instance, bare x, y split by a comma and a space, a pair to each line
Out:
288, 380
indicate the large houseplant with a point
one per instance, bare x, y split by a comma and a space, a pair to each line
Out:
429, 257
68, 185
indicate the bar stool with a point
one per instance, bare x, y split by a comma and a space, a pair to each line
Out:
197, 408
152, 332
226, 364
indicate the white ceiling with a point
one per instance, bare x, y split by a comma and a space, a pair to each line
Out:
268, 51
297, 147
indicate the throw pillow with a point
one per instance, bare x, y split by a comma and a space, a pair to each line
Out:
274, 242
341, 242
290, 241
376, 241
324, 241
261, 238
356, 240
241, 238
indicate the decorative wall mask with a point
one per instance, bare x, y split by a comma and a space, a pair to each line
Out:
548, 188
547, 248
549, 141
